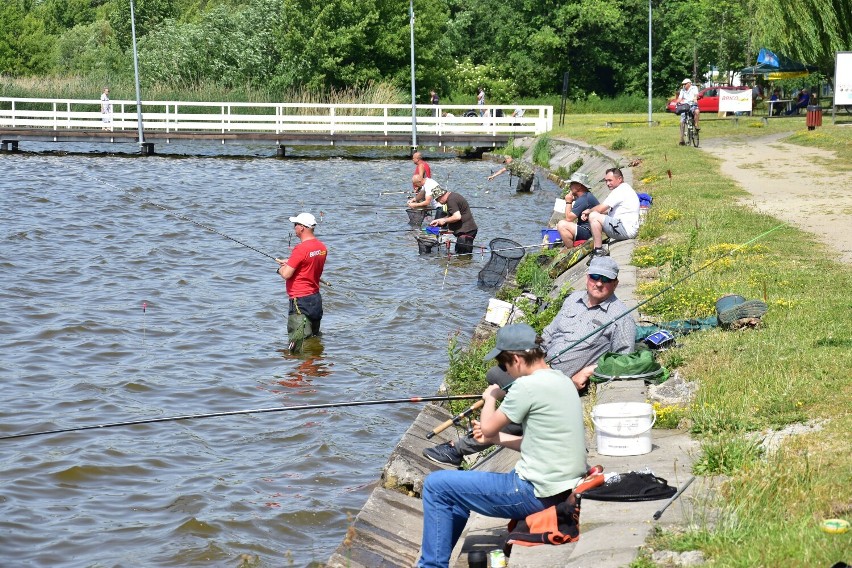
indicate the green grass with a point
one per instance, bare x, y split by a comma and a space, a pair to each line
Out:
794, 368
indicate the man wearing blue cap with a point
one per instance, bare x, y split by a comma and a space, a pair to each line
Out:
582, 312
553, 452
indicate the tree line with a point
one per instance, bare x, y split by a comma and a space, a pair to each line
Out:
514, 48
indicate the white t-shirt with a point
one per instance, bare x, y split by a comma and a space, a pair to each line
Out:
624, 206
689, 95
428, 185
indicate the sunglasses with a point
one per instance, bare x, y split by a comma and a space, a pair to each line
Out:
601, 278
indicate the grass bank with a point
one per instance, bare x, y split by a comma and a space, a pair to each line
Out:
793, 369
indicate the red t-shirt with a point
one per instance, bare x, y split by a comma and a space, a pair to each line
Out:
427, 171
308, 260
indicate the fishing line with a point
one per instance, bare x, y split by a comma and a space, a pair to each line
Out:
415, 399
663, 291
170, 211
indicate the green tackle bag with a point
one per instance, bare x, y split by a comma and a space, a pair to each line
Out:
637, 365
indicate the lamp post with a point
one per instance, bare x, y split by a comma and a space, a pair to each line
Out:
136, 74
650, 28
413, 99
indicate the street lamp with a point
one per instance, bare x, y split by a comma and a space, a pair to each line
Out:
136, 73
413, 100
649, 63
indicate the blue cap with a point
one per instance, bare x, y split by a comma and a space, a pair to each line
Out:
515, 337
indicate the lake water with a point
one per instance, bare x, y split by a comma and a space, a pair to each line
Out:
85, 244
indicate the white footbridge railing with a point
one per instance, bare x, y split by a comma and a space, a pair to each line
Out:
274, 118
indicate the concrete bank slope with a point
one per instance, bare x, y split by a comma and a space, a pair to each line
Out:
387, 531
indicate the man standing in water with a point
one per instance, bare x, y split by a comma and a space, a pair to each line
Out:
459, 219
302, 273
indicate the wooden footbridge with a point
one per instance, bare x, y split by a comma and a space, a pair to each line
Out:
278, 124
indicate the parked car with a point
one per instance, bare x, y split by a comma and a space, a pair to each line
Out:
708, 98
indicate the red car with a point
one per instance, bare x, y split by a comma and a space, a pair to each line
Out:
708, 98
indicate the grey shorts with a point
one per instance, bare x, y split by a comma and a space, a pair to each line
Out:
614, 229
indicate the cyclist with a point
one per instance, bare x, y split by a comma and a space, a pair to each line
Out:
689, 95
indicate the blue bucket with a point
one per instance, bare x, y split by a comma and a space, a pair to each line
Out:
433, 230
551, 235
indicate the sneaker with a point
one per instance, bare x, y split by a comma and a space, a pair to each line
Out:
444, 454
682, 143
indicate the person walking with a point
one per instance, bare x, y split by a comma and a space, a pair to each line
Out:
302, 273
106, 110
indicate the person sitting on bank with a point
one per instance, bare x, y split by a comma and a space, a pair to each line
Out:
552, 449
802, 101
577, 200
582, 312
617, 216
459, 218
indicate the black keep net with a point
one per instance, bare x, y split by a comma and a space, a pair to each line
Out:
416, 216
505, 256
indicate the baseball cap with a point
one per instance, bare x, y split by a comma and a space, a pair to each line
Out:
305, 219
685, 81
582, 179
514, 337
604, 266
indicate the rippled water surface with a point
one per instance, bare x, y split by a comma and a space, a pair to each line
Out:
85, 244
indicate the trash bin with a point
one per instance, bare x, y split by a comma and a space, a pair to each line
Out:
814, 118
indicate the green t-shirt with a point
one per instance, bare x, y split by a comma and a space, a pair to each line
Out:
553, 449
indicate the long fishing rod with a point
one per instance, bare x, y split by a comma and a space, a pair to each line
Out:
663, 291
183, 217
412, 400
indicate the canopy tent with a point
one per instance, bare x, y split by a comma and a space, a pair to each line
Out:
774, 67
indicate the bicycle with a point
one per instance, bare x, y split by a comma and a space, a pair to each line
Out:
691, 131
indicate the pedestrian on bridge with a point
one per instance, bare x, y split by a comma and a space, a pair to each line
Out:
106, 110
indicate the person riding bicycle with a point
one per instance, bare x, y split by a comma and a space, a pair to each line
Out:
688, 95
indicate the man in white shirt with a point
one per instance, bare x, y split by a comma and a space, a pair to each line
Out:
617, 216
688, 95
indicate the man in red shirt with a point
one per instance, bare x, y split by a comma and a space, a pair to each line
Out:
302, 273
421, 167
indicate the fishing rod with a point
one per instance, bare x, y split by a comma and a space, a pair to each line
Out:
411, 400
183, 217
663, 291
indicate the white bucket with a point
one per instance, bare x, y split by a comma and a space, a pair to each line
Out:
498, 312
623, 428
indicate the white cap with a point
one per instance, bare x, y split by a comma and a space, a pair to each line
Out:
305, 219
685, 81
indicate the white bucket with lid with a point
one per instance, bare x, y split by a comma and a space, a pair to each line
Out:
623, 428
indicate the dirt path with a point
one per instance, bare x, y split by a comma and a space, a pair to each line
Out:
806, 187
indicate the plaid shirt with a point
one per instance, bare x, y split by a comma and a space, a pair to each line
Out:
575, 320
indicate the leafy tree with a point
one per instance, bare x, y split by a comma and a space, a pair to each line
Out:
149, 14
62, 15
25, 47
92, 49
811, 32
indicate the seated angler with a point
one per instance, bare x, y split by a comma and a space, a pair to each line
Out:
577, 200
552, 449
582, 312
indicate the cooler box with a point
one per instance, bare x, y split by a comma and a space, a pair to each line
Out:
550, 236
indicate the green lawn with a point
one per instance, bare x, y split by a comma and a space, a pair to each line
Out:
794, 368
